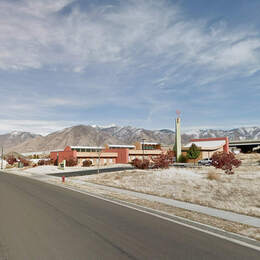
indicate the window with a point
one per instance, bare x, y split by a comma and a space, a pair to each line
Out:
148, 147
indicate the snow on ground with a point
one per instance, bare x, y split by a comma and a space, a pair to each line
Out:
42, 170
4, 164
47, 169
239, 192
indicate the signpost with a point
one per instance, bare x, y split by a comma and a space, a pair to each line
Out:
62, 165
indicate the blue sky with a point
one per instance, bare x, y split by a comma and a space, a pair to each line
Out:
136, 62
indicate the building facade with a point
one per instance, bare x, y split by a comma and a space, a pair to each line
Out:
82, 153
208, 146
110, 154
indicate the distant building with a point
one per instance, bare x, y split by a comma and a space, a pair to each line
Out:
110, 154
208, 146
146, 150
82, 153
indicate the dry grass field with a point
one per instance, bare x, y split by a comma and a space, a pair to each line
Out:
205, 186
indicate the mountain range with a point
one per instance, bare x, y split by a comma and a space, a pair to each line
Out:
86, 135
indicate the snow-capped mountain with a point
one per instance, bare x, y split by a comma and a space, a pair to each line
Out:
89, 135
242, 133
129, 134
14, 138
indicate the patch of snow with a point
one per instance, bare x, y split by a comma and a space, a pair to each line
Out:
104, 127
195, 132
4, 164
15, 133
47, 169
238, 192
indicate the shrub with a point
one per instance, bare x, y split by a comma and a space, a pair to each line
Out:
71, 162
41, 162
48, 162
11, 160
86, 163
182, 158
193, 152
141, 164
213, 176
45, 162
24, 162
163, 160
225, 161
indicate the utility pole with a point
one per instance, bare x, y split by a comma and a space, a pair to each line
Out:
2, 158
143, 147
99, 149
58, 159
99, 155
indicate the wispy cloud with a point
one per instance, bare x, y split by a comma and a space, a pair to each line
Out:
34, 126
147, 54
36, 34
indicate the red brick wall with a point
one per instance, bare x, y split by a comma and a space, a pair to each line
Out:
122, 154
67, 154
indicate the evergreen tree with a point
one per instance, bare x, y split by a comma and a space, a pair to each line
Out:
193, 152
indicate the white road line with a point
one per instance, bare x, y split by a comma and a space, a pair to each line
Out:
162, 217
169, 219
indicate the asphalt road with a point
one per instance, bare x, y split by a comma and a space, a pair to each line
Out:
42, 221
90, 172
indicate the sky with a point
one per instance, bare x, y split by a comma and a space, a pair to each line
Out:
102, 62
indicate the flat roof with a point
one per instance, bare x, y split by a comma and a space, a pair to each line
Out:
207, 144
121, 146
86, 147
149, 143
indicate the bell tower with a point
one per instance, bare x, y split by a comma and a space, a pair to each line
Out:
178, 135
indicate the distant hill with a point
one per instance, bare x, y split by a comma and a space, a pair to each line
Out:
77, 135
129, 135
95, 135
15, 138
242, 133
91, 136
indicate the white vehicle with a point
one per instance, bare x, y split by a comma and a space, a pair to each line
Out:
205, 161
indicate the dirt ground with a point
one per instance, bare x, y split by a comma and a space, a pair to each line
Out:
205, 186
